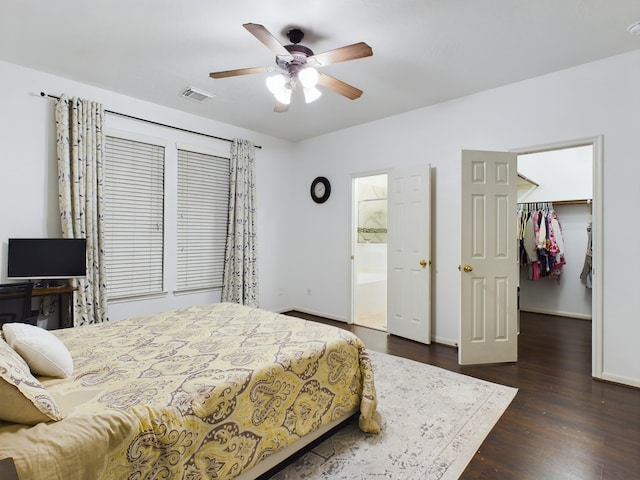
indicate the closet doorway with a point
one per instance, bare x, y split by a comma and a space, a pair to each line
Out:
560, 182
369, 247
569, 176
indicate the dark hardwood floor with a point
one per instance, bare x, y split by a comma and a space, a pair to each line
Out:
562, 424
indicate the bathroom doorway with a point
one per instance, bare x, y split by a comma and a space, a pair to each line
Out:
369, 251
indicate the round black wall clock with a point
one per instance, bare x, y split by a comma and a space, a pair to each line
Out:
320, 189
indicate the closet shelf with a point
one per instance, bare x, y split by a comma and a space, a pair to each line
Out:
528, 180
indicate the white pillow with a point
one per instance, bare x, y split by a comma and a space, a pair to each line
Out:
43, 351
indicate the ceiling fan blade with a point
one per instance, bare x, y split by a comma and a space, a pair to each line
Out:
240, 71
267, 39
339, 86
281, 107
342, 54
284, 107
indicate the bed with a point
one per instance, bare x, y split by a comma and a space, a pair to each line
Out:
217, 391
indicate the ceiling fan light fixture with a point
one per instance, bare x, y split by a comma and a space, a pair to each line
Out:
284, 95
308, 77
311, 94
276, 83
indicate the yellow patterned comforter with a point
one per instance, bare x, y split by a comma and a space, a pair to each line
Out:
200, 393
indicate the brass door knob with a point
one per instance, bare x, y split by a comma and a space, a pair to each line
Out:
467, 268
423, 263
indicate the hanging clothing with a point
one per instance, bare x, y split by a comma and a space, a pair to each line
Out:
529, 241
586, 275
540, 240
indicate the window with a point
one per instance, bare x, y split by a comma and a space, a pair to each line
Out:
203, 204
134, 217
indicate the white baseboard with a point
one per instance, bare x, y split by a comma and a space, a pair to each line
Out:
319, 314
612, 377
282, 309
445, 341
557, 313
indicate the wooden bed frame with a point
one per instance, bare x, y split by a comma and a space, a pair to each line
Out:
270, 465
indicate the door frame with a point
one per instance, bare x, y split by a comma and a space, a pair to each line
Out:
353, 236
597, 216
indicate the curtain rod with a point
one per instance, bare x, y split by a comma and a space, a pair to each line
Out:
42, 94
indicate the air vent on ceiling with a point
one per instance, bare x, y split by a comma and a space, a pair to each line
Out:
634, 28
196, 94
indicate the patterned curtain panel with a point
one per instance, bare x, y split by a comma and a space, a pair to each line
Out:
80, 141
240, 284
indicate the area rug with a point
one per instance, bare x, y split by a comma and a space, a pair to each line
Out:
433, 421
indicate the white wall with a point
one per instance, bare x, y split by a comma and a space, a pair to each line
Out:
593, 99
28, 178
305, 245
564, 174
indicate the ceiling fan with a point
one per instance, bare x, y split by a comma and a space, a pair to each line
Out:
297, 63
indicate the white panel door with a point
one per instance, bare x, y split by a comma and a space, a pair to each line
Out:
409, 253
489, 261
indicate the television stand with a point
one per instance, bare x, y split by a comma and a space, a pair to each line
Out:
64, 294
46, 284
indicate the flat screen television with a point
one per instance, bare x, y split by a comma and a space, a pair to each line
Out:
46, 258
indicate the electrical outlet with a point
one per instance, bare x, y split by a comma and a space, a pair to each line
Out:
308, 291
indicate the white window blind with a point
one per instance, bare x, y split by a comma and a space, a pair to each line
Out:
203, 203
134, 217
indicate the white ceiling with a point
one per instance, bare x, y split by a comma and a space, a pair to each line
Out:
424, 51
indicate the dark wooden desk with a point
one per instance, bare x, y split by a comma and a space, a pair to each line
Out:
64, 294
